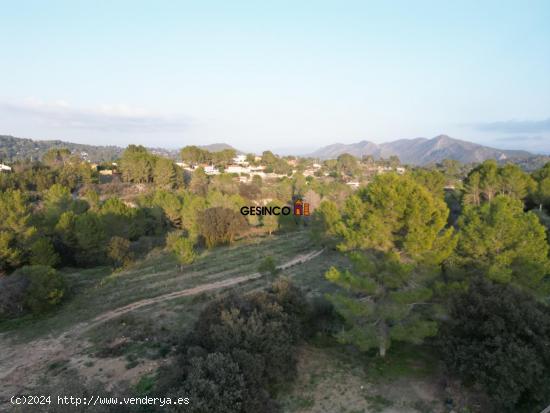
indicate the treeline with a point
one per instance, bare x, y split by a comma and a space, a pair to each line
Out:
478, 283
14, 149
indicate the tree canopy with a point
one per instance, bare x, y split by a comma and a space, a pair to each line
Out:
501, 240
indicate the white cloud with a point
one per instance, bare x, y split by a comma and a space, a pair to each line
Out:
106, 118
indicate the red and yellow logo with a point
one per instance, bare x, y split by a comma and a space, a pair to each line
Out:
301, 208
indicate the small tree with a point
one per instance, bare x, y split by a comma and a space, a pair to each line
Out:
43, 253
182, 248
119, 251
165, 173
46, 287
220, 225
267, 266
270, 223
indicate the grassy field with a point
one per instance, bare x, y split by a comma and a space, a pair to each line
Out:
95, 291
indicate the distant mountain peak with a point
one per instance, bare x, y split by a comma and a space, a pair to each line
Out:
421, 151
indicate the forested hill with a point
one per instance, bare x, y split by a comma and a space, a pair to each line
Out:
12, 149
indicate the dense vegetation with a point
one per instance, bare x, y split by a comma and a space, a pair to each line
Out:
446, 254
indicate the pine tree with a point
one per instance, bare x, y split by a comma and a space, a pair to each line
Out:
182, 248
387, 300
541, 192
165, 173
199, 182
501, 240
394, 232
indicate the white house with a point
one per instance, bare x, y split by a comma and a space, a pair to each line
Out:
240, 160
237, 169
5, 168
211, 170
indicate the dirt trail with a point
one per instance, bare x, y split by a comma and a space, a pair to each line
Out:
17, 362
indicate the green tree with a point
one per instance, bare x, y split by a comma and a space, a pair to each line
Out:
514, 182
501, 240
270, 223
394, 232
268, 266
16, 229
136, 164
497, 337
118, 219
57, 200
394, 213
387, 300
45, 290
326, 223
195, 155
56, 157
487, 180
347, 164
165, 173
433, 181
182, 248
220, 225
119, 251
42, 252
224, 157
91, 239
199, 182
541, 192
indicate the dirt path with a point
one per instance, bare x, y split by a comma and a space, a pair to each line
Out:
18, 362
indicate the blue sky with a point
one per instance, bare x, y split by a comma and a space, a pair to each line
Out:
277, 74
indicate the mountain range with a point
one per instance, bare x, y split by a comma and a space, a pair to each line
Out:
421, 151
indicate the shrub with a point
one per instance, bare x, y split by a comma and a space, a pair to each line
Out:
498, 337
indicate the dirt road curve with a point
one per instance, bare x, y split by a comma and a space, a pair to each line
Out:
18, 361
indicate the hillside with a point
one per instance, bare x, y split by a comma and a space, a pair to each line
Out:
118, 328
421, 151
12, 149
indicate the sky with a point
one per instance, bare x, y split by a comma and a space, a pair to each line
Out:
275, 74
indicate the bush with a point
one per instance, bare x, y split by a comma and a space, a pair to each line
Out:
267, 266
220, 226
119, 251
240, 350
45, 289
499, 337
43, 253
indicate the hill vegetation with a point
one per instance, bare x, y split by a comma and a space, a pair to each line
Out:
154, 269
